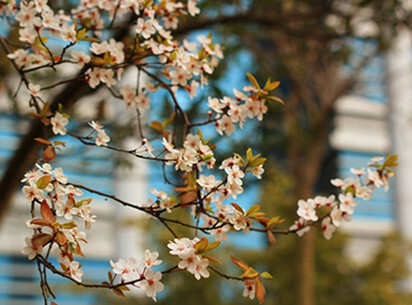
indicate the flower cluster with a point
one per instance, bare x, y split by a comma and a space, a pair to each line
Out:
250, 103
190, 259
140, 274
48, 187
194, 154
337, 211
102, 138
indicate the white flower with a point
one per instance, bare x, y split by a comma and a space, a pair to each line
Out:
200, 269
208, 182
235, 175
127, 269
58, 174
182, 247
59, 122
300, 227
250, 288
32, 192
150, 259
31, 250
102, 138
34, 90
347, 203
146, 28
192, 8
81, 58
327, 228
152, 283
68, 32
307, 209
239, 220
338, 216
74, 271
225, 125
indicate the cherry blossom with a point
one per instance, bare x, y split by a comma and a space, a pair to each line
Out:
30, 249
327, 228
127, 269
59, 123
150, 259
307, 209
74, 270
151, 283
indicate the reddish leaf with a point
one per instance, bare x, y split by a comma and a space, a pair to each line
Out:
49, 154
78, 250
45, 211
239, 263
272, 239
260, 291
213, 259
61, 238
70, 202
41, 222
237, 207
40, 239
53, 303
42, 141
119, 292
188, 197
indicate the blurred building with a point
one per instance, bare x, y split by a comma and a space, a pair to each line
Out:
373, 120
109, 237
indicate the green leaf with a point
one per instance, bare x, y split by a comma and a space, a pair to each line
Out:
211, 246
43, 182
69, 225
266, 275
249, 154
119, 292
275, 99
253, 210
156, 125
253, 80
201, 245
250, 273
169, 120
57, 143
273, 221
81, 34
242, 162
